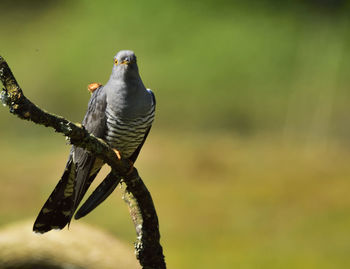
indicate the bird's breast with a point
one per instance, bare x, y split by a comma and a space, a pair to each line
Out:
127, 133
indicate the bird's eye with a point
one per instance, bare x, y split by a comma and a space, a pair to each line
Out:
116, 61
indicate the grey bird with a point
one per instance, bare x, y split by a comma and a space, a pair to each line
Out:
120, 112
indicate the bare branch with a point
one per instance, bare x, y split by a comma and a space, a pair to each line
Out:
148, 248
145, 220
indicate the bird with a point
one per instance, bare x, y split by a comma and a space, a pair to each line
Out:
121, 112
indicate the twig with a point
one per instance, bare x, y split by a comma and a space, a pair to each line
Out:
148, 249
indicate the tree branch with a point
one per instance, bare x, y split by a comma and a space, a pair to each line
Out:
148, 249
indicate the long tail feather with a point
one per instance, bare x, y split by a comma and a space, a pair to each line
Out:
100, 194
59, 209
56, 212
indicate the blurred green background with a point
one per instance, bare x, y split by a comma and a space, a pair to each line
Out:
248, 159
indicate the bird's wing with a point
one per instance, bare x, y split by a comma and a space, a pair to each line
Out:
108, 185
134, 156
82, 167
88, 166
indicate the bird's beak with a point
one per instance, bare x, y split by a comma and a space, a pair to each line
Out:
127, 62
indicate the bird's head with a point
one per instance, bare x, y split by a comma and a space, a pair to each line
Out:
125, 63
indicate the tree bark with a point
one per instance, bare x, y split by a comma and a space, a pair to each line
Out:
149, 252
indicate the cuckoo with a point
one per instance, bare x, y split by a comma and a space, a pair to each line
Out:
121, 112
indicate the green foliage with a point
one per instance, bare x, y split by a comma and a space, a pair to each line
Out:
242, 68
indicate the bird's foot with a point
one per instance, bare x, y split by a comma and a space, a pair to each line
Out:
94, 86
117, 152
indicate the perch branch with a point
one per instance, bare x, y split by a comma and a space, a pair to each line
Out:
148, 249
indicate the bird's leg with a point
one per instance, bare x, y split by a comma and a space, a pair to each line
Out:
117, 152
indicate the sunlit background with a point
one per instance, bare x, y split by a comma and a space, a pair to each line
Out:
248, 158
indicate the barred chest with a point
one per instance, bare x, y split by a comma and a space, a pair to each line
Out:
126, 134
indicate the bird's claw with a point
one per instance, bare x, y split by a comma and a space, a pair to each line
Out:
118, 154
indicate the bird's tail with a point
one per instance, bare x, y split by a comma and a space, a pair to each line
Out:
100, 194
57, 211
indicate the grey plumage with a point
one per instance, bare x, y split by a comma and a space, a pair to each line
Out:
121, 113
